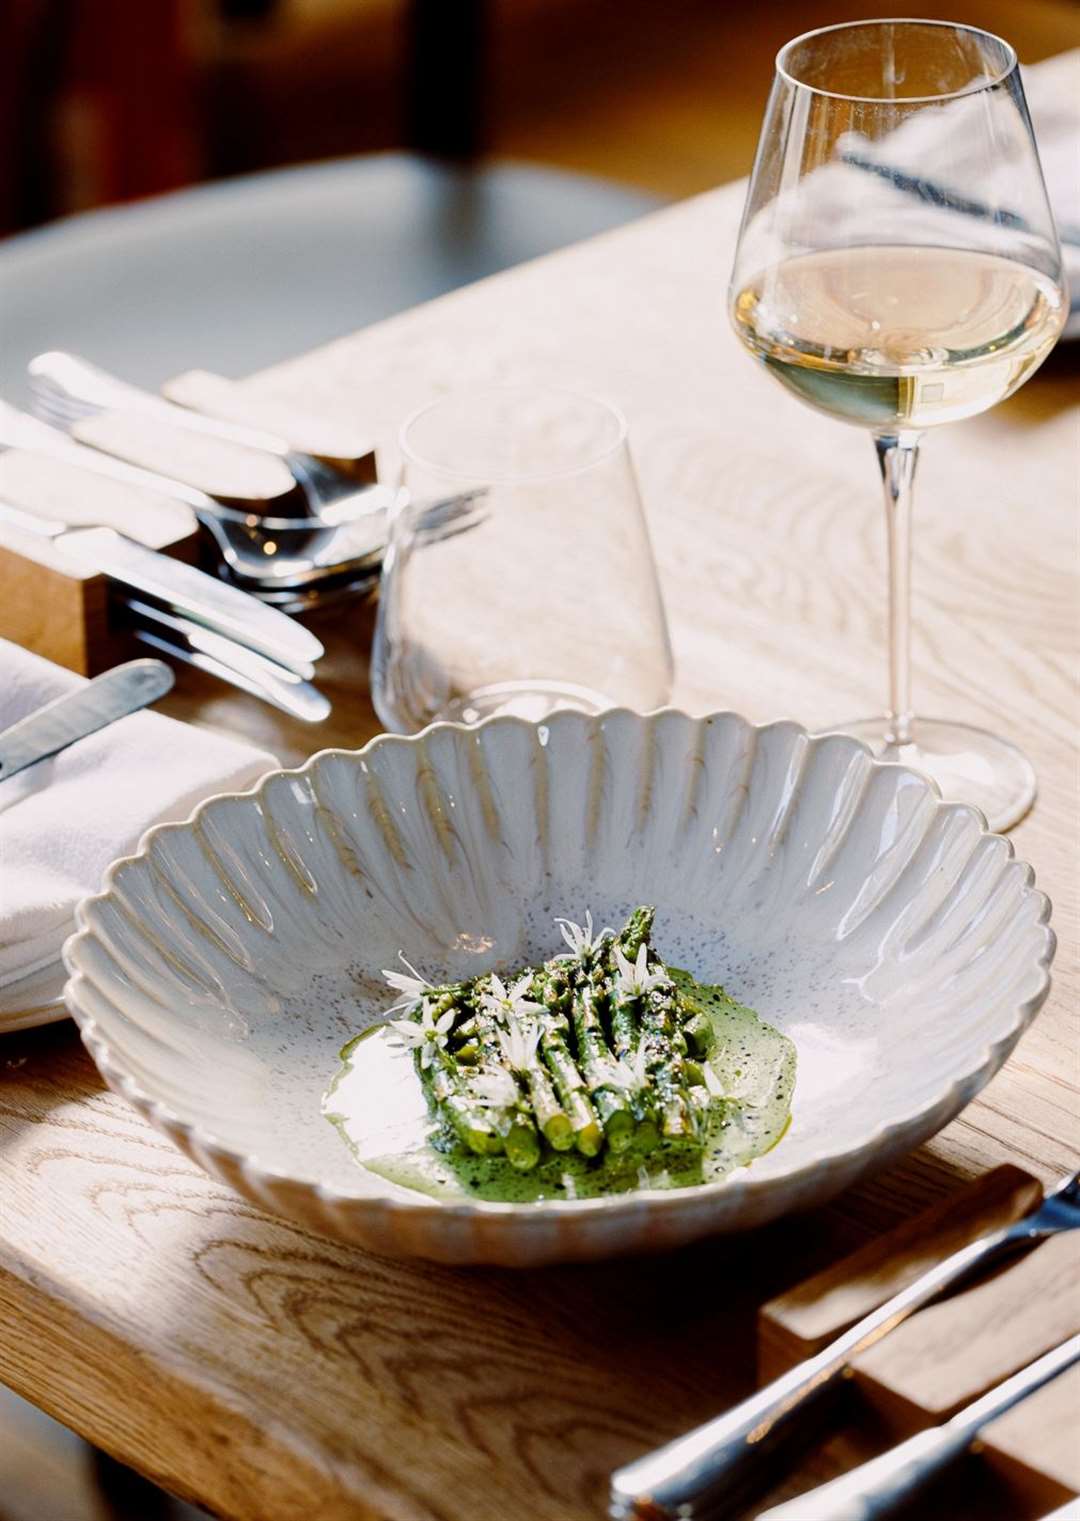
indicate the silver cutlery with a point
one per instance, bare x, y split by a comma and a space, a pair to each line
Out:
75, 714
258, 550
195, 645
876, 1489
66, 389
344, 454
180, 588
700, 1473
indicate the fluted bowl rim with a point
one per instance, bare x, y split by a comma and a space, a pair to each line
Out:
339, 1213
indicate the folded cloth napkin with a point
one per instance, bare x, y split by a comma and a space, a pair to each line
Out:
63, 820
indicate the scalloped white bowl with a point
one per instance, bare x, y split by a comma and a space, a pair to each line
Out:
898, 943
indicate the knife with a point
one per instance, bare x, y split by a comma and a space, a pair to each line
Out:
74, 715
715, 1465
224, 658
73, 392
878, 1488
181, 588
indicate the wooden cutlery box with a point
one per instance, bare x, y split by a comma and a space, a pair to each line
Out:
51, 604
951, 1352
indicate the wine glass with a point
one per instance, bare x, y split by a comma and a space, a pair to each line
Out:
898, 268
519, 576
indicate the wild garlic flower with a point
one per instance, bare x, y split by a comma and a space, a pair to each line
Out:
494, 1088
508, 1004
633, 979
426, 1034
580, 939
412, 987
631, 1072
712, 1082
519, 1041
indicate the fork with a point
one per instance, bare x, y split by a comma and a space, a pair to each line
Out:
710, 1466
66, 389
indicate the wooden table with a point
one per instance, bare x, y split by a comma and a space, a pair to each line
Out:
272, 1375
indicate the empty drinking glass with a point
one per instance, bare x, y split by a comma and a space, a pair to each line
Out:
519, 576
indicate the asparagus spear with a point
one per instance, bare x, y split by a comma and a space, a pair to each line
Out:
646, 1013
554, 988
507, 1034
466, 1119
595, 1061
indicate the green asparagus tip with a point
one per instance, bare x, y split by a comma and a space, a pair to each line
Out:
522, 1146
620, 1130
559, 1133
589, 1139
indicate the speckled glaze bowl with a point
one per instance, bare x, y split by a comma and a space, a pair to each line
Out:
893, 938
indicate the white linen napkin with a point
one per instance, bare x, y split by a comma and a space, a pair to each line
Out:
64, 820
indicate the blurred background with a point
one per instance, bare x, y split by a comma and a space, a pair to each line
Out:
106, 100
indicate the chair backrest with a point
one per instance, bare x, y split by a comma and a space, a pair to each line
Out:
238, 274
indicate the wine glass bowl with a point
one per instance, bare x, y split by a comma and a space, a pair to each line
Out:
898, 268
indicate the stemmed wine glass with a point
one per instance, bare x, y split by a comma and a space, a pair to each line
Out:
898, 268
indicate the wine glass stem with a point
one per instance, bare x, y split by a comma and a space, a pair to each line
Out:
898, 454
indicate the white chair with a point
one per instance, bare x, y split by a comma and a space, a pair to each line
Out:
237, 274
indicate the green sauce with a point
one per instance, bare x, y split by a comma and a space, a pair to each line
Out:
379, 1108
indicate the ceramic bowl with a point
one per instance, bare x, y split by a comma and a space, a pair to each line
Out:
898, 942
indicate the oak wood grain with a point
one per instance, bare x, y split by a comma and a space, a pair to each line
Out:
51, 604
241, 1360
950, 1353
1035, 1445
800, 1322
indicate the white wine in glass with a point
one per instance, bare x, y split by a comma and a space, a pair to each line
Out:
898, 268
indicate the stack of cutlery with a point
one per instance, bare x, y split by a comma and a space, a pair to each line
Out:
292, 519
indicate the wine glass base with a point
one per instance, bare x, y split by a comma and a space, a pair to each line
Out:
534, 700
969, 765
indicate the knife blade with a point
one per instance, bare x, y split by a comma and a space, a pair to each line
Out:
240, 666
181, 588
74, 715
280, 697
878, 1488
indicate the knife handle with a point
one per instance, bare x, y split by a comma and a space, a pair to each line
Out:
95, 389
877, 1488
82, 711
729, 1453
196, 595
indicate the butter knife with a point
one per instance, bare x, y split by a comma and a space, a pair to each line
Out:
709, 1469
878, 1488
195, 645
74, 715
181, 588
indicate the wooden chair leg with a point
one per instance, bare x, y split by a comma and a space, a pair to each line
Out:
126, 1495
445, 77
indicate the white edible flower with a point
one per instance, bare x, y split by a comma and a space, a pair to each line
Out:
634, 979
580, 940
631, 1072
425, 1034
712, 1082
519, 1041
494, 1088
411, 985
508, 1004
